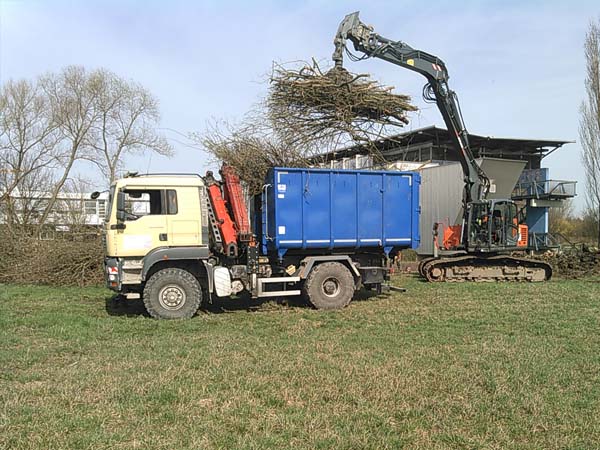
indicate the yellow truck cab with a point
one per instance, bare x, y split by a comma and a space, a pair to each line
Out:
156, 222
151, 217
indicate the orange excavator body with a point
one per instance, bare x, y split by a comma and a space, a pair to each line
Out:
452, 236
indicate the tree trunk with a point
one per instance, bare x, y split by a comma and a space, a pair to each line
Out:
57, 188
598, 226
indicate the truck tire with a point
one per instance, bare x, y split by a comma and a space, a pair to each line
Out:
329, 286
172, 294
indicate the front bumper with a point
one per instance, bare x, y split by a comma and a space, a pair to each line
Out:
112, 273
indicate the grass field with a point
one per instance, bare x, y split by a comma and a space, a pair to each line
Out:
440, 366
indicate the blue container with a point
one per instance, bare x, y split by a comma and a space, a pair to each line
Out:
327, 209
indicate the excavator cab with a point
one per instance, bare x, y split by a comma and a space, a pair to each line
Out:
493, 226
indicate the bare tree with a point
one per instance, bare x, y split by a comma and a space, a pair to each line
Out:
28, 134
127, 121
587, 226
28, 144
47, 126
70, 209
589, 126
72, 95
561, 219
27, 203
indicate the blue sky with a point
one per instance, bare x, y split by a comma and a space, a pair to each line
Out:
517, 66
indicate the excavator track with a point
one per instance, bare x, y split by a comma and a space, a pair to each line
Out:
422, 264
481, 268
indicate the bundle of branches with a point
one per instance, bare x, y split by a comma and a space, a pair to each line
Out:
250, 154
307, 105
27, 260
307, 114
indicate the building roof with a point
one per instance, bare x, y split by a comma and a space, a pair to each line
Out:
506, 148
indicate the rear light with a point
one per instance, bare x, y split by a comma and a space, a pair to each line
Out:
523, 236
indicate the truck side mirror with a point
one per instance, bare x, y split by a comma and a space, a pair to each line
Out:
121, 201
121, 206
95, 195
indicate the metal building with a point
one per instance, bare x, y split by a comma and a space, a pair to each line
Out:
514, 166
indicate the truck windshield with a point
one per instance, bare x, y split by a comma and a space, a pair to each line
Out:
111, 197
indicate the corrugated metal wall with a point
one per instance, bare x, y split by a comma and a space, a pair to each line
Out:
441, 199
442, 190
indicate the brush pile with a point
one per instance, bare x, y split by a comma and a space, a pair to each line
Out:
308, 113
578, 262
307, 104
26, 260
250, 155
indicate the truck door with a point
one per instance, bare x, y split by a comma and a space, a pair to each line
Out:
145, 222
184, 216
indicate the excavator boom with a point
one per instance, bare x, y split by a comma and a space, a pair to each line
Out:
436, 90
489, 226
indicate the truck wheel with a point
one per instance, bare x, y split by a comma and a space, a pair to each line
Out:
329, 286
172, 294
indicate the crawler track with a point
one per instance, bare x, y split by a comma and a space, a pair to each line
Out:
478, 268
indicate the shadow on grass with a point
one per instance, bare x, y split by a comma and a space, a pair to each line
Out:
408, 276
245, 302
365, 295
117, 305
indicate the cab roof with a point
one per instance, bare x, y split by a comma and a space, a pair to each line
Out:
162, 180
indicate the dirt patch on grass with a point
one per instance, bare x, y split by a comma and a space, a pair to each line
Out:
575, 263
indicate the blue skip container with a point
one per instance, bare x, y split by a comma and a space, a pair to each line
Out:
339, 209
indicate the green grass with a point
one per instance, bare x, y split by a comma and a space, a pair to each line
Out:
440, 366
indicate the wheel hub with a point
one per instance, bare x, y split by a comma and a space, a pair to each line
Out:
171, 297
331, 287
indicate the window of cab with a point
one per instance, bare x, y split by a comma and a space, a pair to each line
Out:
148, 202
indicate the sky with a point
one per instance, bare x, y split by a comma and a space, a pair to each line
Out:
517, 66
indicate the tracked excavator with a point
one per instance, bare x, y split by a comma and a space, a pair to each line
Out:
484, 245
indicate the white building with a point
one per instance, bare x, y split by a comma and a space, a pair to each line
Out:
69, 209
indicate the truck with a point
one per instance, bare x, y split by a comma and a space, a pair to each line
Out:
487, 244
179, 239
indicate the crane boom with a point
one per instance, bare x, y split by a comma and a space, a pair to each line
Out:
437, 90
490, 227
